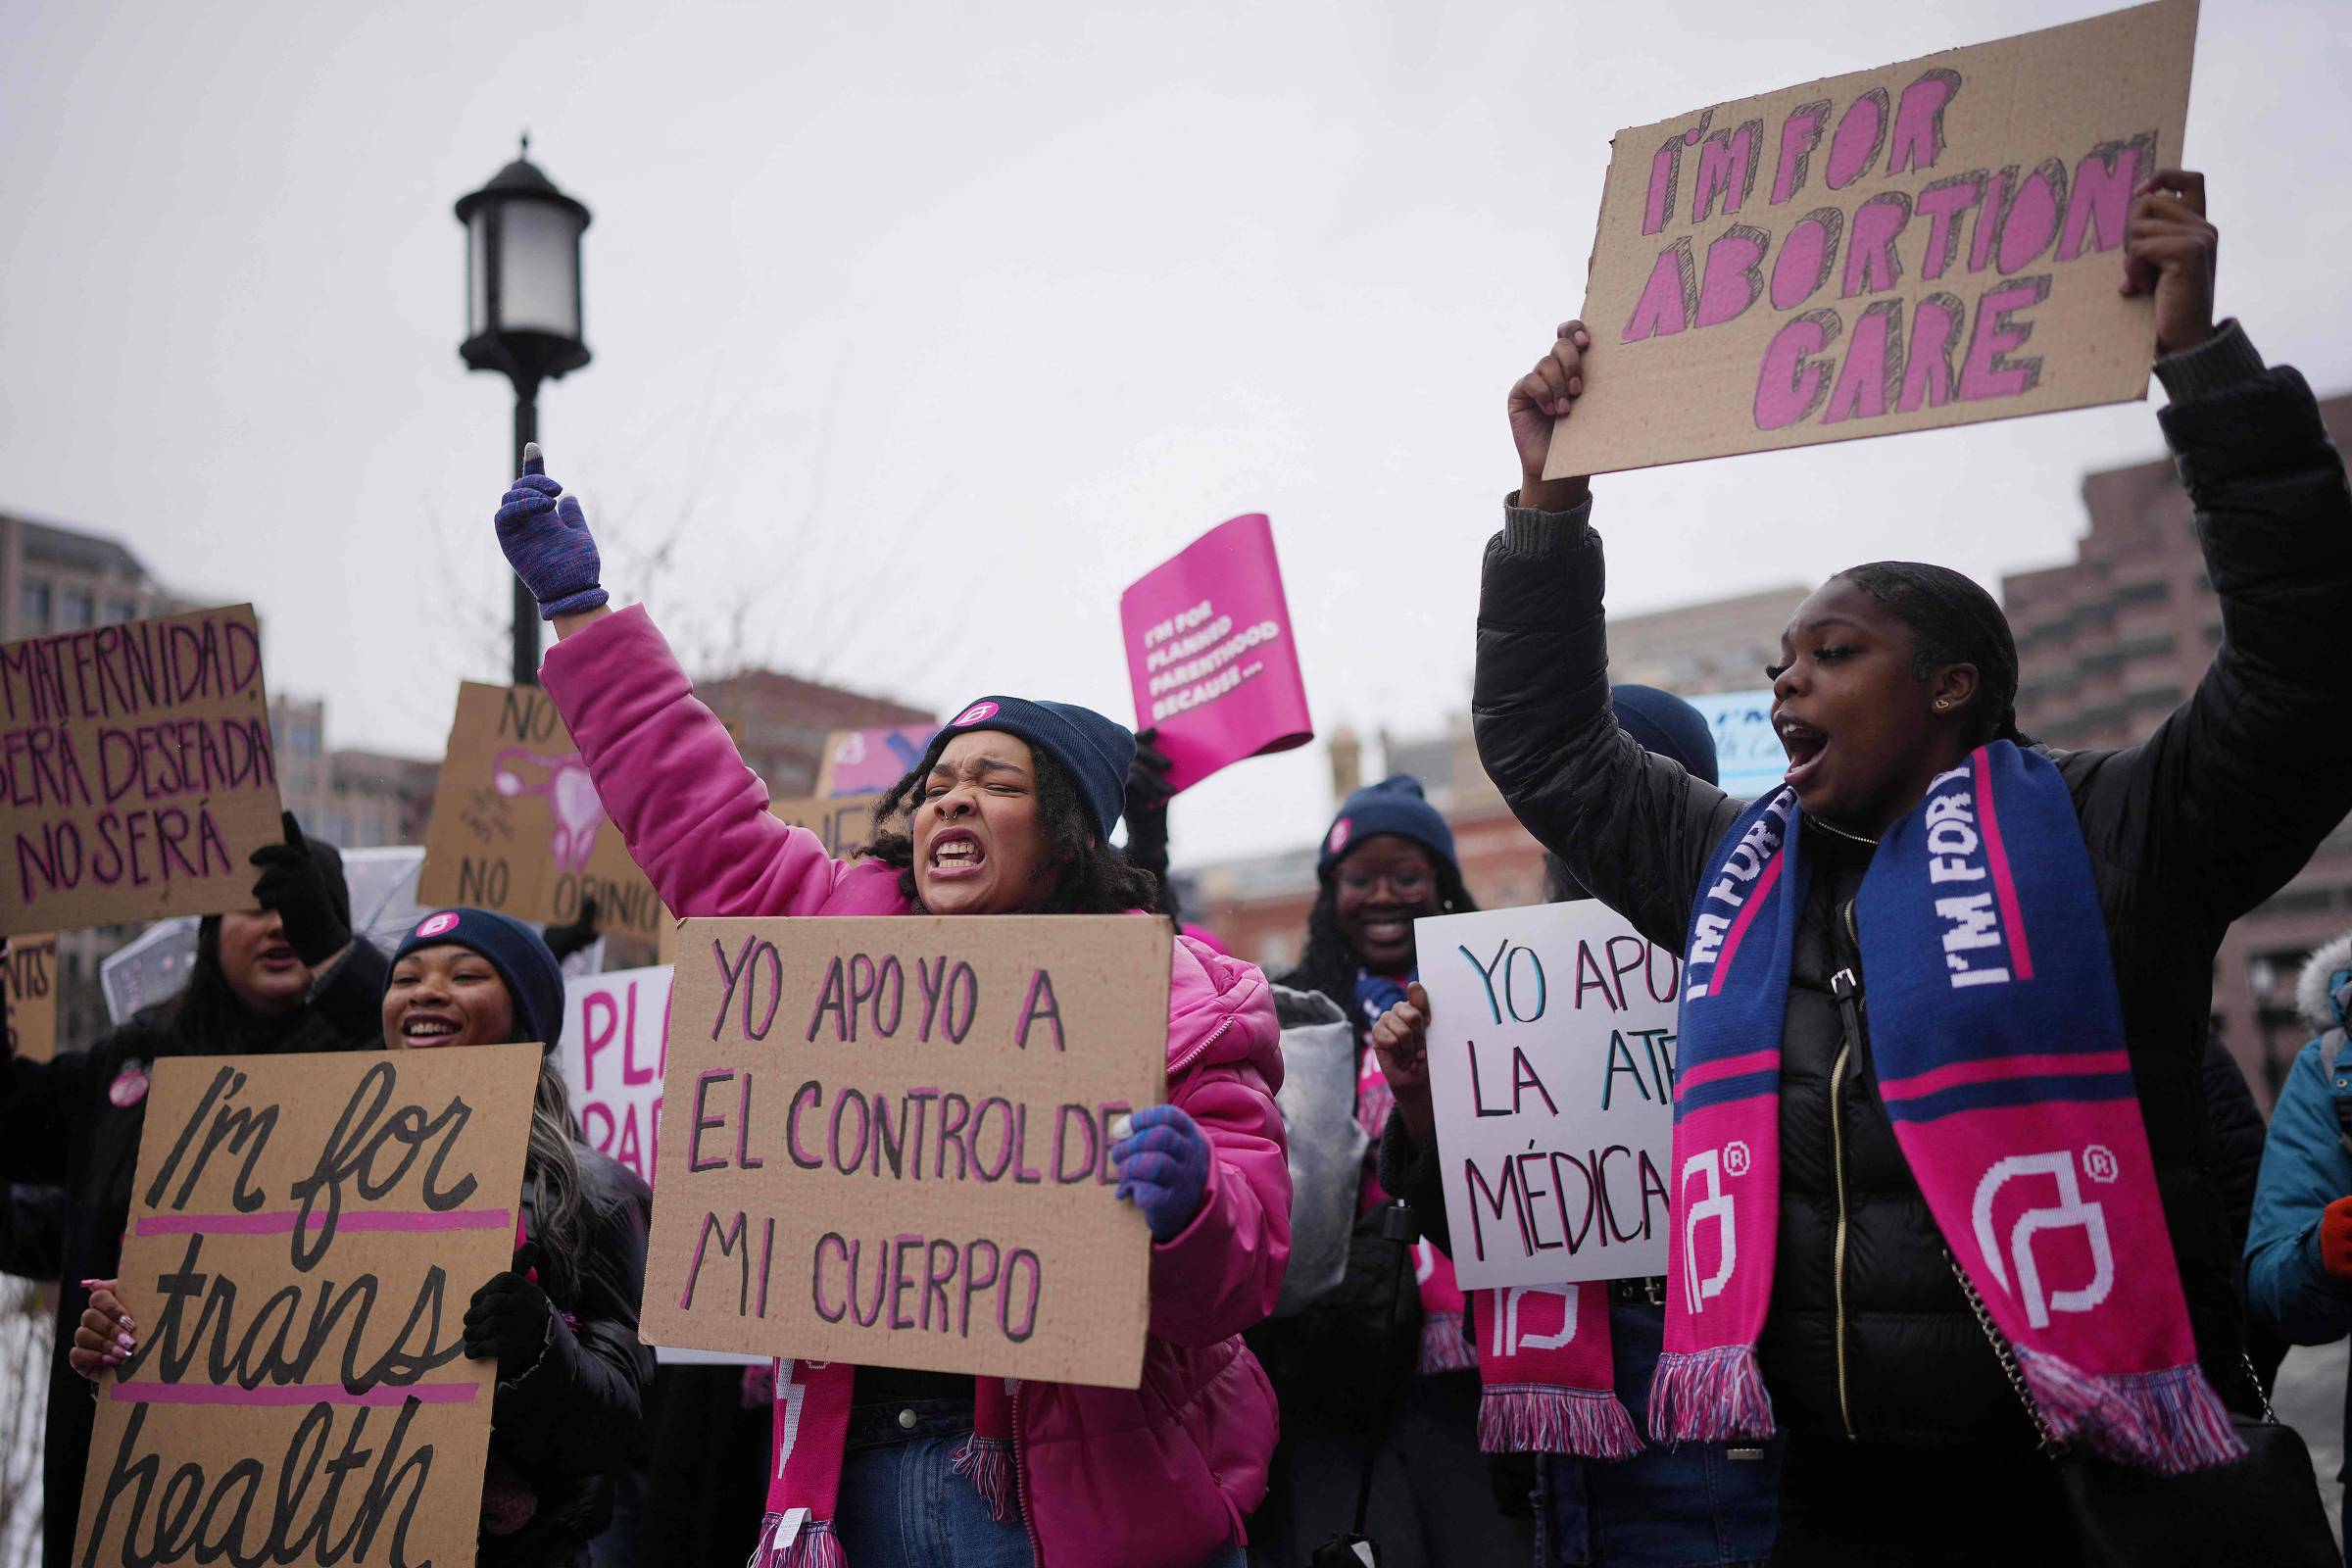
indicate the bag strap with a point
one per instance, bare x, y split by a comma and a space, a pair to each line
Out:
2343, 1120
2016, 1374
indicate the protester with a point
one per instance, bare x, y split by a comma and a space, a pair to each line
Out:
1834, 1296
1010, 811
1604, 1497
284, 976
1386, 859
2299, 1248
562, 1324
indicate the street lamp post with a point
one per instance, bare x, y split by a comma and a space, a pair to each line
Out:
522, 314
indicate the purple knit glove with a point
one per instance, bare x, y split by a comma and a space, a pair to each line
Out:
547, 541
1162, 1166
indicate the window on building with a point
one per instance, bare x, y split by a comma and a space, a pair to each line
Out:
119, 611
33, 607
2152, 592
75, 610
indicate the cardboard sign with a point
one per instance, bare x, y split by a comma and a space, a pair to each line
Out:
1931, 243
1552, 1065
517, 824
1210, 656
616, 1043
138, 770
29, 983
844, 823
1749, 758
868, 762
305, 1235
887, 1143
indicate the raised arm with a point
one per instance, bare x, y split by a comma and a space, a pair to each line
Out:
2237, 787
695, 817
1634, 828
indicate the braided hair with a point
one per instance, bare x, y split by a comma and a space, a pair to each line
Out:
1093, 878
1952, 621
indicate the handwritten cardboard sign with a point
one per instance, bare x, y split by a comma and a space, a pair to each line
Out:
517, 824
616, 1042
1211, 655
1749, 758
1552, 1065
137, 767
305, 1235
1929, 243
886, 1141
868, 762
29, 983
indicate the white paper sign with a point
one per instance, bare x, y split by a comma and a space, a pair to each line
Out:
1551, 1062
616, 1043
1749, 758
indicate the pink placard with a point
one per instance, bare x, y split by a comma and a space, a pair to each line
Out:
1209, 651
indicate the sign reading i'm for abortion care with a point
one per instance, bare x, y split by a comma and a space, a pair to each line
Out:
517, 826
305, 1234
1211, 655
1929, 243
137, 767
1551, 1044
888, 1143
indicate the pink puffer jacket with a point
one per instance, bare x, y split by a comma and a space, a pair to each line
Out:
1159, 1475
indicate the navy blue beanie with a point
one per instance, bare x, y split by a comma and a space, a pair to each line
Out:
519, 955
1669, 726
1095, 751
1393, 806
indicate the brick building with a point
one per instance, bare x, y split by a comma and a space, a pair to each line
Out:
782, 722
2116, 639
1259, 906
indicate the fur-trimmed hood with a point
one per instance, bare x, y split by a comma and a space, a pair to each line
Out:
2313, 994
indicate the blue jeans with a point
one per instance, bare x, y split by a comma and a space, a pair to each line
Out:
903, 1506
1678, 1507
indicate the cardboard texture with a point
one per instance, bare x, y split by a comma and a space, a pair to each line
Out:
868, 762
29, 983
270, 1192
138, 769
1551, 1046
1211, 655
517, 825
1929, 243
884, 1142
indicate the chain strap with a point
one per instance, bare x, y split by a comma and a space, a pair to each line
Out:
2007, 1356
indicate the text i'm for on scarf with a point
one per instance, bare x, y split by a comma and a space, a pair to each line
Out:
1996, 1038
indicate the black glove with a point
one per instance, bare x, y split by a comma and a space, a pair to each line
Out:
509, 1318
565, 939
293, 887
1148, 796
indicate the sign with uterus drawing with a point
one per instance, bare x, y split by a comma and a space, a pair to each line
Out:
517, 824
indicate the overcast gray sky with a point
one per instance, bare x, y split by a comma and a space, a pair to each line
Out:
924, 329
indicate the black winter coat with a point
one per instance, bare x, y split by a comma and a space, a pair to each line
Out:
63, 1122
2187, 831
567, 1424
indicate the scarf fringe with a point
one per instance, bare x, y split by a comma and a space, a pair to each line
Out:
1710, 1395
989, 1464
1442, 1347
1533, 1418
2171, 1421
816, 1546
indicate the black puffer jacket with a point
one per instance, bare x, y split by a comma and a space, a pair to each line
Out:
74, 1121
566, 1425
2187, 831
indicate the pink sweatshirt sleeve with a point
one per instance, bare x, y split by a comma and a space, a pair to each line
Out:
1223, 1272
695, 817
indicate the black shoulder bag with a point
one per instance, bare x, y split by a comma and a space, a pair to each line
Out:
2263, 1511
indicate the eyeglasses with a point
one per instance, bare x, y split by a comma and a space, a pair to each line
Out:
1407, 883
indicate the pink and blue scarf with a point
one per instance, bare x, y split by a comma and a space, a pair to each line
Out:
1997, 1038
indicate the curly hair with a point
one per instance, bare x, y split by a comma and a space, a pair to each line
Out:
1091, 877
1952, 621
1330, 961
